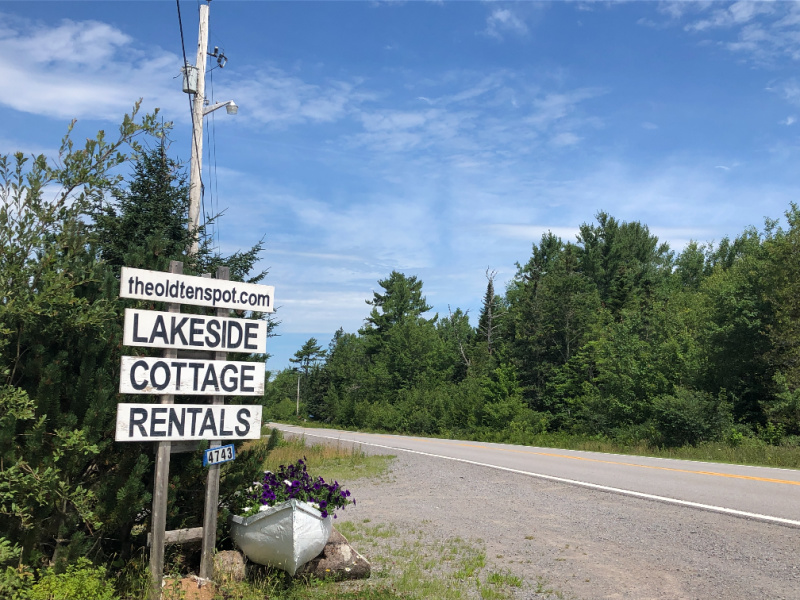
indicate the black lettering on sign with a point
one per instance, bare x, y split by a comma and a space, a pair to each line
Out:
250, 333
242, 387
180, 424
137, 419
194, 412
222, 424
136, 336
134, 384
159, 330
241, 416
234, 339
212, 330
156, 420
176, 328
208, 423
229, 384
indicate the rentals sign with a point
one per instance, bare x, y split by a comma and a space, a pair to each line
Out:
170, 422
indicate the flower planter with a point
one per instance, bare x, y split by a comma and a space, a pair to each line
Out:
285, 536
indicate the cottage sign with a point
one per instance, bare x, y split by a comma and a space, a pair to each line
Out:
148, 375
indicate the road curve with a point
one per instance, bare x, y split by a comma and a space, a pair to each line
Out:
759, 493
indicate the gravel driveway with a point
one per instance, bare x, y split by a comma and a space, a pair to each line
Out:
582, 543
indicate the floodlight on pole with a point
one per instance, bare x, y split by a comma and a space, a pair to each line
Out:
230, 107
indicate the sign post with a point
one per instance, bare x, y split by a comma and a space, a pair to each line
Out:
212, 481
158, 519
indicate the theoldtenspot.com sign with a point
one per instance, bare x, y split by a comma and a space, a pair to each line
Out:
170, 422
158, 286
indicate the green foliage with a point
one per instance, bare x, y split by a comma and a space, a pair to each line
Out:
16, 583
66, 488
688, 417
81, 581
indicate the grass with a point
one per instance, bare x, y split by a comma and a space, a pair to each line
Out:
421, 567
333, 463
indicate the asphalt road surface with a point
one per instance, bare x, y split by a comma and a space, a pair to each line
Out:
590, 525
760, 493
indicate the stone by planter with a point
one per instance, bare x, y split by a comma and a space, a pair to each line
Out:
338, 560
285, 536
229, 565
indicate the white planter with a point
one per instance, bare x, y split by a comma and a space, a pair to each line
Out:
285, 536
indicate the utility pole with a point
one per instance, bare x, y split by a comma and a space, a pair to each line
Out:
200, 110
195, 184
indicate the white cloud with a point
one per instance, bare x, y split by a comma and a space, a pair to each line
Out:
566, 138
502, 21
790, 120
276, 98
737, 13
82, 69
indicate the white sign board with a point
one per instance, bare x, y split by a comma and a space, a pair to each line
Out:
148, 375
158, 286
170, 422
158, 329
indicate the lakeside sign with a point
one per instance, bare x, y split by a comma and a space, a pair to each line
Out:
158, 329
171, 422
158, 286
149, 375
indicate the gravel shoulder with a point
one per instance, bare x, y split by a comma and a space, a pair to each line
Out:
582, 543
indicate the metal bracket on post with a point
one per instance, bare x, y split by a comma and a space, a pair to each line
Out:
158, 518
212, 483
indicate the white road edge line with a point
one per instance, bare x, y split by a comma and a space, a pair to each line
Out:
586, 484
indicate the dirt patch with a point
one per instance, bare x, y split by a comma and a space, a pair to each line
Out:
188, 588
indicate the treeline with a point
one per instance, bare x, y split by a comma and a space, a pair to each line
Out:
613, 335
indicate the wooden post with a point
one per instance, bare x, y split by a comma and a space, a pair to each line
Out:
158, 518
212, 482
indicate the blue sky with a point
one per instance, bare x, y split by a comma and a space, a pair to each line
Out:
432, 138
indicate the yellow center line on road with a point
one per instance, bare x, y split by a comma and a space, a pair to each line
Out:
613, 462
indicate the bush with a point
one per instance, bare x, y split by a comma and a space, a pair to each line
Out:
82, 581
689, 417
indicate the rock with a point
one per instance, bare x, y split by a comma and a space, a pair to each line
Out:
338, 560
229, 566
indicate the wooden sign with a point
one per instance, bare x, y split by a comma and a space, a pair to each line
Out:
150, 375
152, 328
168, 422
158, 286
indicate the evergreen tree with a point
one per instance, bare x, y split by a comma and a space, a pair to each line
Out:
402, 300
151, 216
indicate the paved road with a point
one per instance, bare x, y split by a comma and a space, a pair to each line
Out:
760, 493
